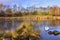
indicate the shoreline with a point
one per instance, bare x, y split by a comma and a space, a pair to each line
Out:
32, 18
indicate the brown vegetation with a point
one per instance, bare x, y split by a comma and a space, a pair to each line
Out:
24, 32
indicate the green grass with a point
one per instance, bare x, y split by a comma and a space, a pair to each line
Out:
42, 15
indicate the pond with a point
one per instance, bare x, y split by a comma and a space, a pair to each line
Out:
39, 25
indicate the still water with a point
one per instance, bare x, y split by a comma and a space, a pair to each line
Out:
39, 25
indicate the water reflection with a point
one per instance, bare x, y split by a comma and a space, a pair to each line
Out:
54, 23
39, 25
9, 24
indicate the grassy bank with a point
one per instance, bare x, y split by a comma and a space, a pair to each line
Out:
32, 17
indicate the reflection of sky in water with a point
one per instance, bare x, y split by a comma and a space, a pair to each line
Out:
45, 35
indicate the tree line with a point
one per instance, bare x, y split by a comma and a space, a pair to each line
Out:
7, 11
17, 11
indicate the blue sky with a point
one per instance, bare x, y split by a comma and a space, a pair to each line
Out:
27, 3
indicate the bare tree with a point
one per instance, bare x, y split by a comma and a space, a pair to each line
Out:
8, 11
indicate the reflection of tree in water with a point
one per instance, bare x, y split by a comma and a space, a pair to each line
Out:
2, 22
54, 22
9, 25
37, 23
